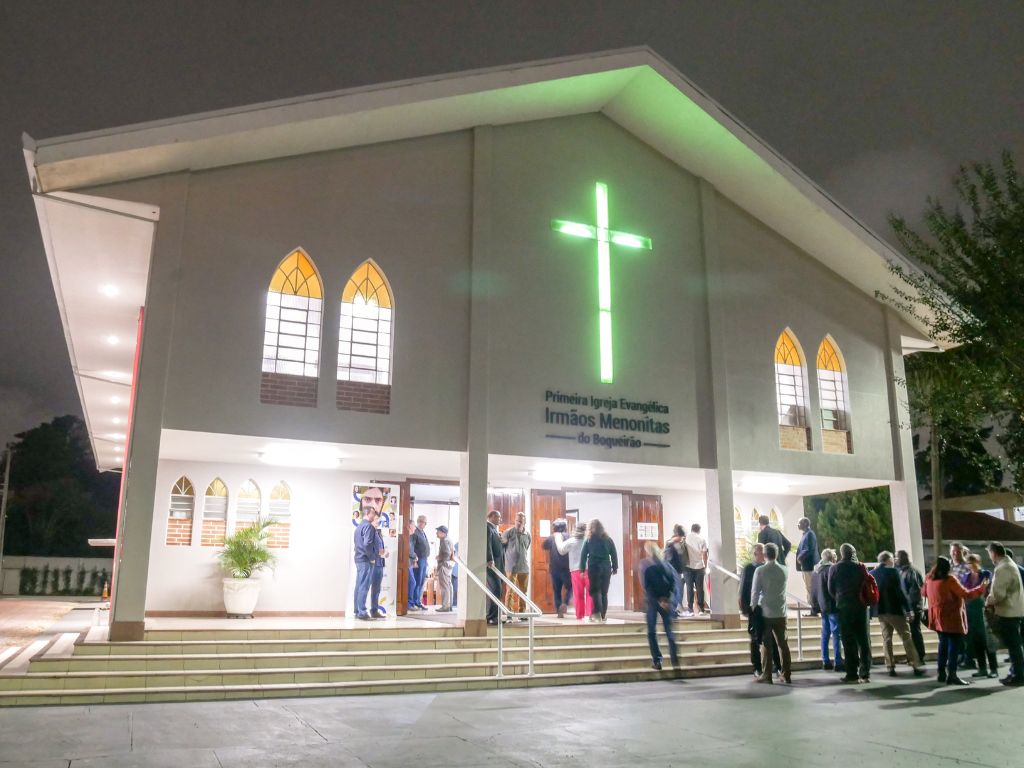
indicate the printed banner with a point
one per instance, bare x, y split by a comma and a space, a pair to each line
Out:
385, 500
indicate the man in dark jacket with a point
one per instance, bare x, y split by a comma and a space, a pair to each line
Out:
823, 604
659, 584
911, 580
419, 559
894, 613
558, 567
845, 580
769, 535
807, 554
755, 621
495, 559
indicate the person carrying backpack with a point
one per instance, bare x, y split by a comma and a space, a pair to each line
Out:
852, 587
659, 582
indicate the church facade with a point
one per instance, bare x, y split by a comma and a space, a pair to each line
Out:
575, 288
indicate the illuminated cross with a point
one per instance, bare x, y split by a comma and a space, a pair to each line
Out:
605, 238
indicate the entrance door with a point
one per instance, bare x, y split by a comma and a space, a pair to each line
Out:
545, 507
643, 523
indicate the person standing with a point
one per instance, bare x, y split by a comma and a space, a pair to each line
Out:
823, 604
946, 616
911, 581
894, 613
845, 582
659, 580
377, 569
981, 645
769, 535
600, 560
558, 568
807, 555
696, 563
367, 553
1006, 599
755, 618
769, 593
419, 559
495, 562
516, 541
445, 562
572, 548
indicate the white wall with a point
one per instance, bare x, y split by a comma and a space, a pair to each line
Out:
606, 507
313, 574
10, 577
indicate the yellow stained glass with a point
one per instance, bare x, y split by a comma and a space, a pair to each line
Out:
367, 286
773, 516
217, 488
183, 487
297, 276
249, 490
786, 350
828, 357
754, 518
737, 516
281, 492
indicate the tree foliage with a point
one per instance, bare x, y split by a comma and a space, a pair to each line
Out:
862, 518
58, 498
967, 294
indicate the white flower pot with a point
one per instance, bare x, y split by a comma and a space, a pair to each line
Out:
240, 596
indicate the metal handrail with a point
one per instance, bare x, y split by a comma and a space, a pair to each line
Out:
529, 615
800, 602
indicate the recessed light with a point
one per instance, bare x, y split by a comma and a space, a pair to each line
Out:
114, 399
118, 448
114, 374
109, 290
298, 455
117, 419
570, 473
112, 340
116, 435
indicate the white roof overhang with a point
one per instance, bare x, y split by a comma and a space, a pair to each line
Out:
98, 252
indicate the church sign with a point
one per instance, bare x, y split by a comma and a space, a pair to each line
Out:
607, 421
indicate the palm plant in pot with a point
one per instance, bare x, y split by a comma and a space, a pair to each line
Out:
244, 555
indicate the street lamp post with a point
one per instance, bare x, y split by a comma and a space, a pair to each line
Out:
3, 510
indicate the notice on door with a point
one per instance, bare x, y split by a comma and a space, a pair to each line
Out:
647, 531
545, 528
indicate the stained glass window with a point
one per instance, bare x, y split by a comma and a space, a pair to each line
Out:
183, 499
835, 406
280, 502
249, 498
291, 340
790, 384
215, 504
365, 333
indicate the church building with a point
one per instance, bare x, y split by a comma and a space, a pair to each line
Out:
575, 288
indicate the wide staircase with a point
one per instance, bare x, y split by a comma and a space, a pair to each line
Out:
171, 665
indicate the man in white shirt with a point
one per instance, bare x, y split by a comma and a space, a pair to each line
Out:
1006, 598
768, 592
696, 562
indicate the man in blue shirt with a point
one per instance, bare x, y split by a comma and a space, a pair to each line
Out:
369, 555
807, 555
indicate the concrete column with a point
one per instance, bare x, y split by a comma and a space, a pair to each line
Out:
906, 515
473, 475
135, 518
721, 534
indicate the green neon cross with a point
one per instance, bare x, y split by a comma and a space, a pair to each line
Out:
605, 238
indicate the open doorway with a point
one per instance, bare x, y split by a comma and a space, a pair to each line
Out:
439, 504
606, 507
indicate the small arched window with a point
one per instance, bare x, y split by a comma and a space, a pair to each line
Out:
791, 393
280, 511
367, 321
291, 337
835, 403
215, 514
775, 519
181, 512
247, 511
740, 534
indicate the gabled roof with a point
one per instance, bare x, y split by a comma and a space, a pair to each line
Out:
634, 87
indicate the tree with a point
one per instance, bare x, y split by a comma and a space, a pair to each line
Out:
58, 498
861, 518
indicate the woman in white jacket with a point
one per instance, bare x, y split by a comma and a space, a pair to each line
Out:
573, 546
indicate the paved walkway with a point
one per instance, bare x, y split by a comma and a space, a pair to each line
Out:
718, 722
22, 619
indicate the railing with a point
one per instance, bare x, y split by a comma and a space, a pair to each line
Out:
506, 612
800, 604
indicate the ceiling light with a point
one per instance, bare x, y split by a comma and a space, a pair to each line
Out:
114, 374
115, 399
118, 449
563, 473
116, 435
299, 455
117, 419
112, 340
109, 290
770, 485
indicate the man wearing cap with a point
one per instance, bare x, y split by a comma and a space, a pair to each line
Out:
444, 568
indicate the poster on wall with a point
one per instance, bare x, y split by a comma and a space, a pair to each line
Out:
384, 499
647, 531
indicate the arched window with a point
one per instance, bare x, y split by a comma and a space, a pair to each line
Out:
249, 501
215, 514
791, 393
281, 513
835, 403
743, 555
367, 317
182, 508
291, 339
774, 518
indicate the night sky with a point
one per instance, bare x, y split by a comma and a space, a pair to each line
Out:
877, 102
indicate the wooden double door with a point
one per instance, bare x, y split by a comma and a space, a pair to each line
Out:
641, 515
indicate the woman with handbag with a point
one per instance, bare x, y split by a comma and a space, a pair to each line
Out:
946, 615
980, 642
